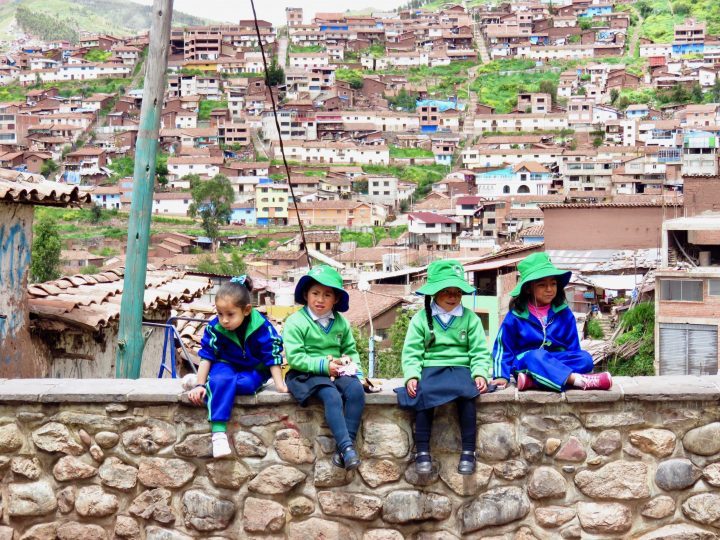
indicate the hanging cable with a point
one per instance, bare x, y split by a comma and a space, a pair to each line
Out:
277, 125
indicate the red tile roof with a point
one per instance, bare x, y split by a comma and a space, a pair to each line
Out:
429, 217
30, 188
93, 301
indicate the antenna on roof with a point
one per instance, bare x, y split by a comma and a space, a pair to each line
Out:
279, 131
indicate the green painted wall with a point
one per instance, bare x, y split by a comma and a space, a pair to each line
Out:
489, 305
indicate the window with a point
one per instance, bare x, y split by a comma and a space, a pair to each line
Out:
688, 349
681, 290
713, 287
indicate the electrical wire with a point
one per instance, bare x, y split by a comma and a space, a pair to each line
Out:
277, 125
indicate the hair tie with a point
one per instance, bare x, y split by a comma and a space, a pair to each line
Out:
240, 280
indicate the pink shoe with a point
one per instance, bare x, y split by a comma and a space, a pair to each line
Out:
597, 381
525, 382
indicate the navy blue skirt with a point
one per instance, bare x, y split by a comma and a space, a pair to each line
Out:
439, 385
303, 385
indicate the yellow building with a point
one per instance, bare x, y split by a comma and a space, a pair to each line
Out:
271, 203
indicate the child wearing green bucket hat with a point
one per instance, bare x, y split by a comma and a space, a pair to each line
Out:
445, 358
323, 358
538, 340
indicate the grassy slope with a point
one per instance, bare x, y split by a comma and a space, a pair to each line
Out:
116, 17
658, 25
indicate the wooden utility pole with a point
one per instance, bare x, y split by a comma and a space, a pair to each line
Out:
130, 338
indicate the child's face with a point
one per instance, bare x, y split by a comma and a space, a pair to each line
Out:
230, 316
449, 298
542, 291
321, 299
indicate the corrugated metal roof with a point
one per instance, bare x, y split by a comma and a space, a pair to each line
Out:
28, 188
92, 302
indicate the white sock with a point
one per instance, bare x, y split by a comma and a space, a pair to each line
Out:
579, 381
220, 444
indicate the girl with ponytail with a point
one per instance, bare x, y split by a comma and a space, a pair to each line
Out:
240, 351
445, 358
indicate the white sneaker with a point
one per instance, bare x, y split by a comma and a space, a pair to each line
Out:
189, 381
220, 445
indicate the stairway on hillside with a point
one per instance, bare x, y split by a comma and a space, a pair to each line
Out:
606, 325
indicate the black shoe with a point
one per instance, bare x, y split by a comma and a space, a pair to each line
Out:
337, 459
350, 458
467, 462
424, 464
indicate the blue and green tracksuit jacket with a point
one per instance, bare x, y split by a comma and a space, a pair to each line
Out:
240, 361
549, 356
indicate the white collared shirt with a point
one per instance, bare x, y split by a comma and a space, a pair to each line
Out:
445, 316
323, 321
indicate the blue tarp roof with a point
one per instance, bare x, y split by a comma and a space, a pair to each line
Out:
441, 105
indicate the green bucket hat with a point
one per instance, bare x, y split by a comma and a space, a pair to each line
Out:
538, 266
444, 274
324, 275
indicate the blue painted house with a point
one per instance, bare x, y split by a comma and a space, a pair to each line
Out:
599, 9
244, 213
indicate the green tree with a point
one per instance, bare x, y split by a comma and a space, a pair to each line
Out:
161, 170
97, 55
212, 201
696, 93
404, 100
49, 168
352, 76
221, 265
585, 23
275, 74
549, 87
45, 259
95, 213
389, 362
679, 94
614, 95
715, 91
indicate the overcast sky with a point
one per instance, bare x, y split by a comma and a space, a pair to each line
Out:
271, 10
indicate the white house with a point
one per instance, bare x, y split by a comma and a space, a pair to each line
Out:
335, 152
207, 166
519, 122
107, 197
308, 60
527, 177
173, 203
433, 231
389, 190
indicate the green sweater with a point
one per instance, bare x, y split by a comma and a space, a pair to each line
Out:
307, 344
460, 343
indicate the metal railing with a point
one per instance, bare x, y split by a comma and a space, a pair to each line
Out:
172, 335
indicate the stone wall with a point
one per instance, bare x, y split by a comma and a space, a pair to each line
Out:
119, 459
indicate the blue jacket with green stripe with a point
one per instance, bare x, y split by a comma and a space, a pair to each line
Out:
254, 346
522, 332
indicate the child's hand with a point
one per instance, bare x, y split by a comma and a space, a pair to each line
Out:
411, 387
197, 395
500, 383
481, 384
334, 368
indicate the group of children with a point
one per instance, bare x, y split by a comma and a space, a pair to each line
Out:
445, 357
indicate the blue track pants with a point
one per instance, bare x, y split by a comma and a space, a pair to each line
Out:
552, 369
224, 383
